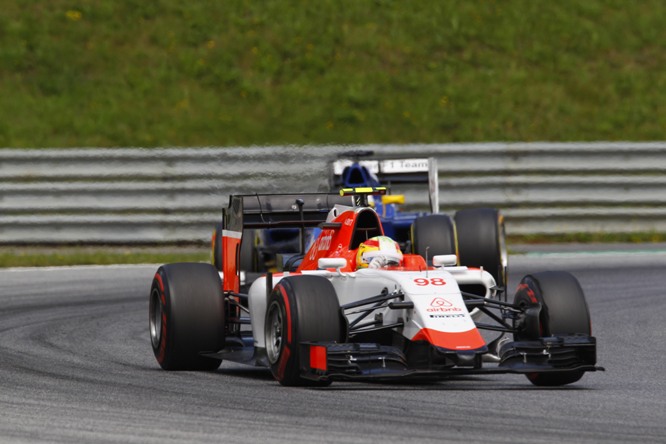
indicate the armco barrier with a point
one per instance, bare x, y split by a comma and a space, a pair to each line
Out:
129, 195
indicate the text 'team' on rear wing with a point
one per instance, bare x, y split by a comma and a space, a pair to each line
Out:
346, 172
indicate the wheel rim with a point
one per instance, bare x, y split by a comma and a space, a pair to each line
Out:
274, 336
155, 318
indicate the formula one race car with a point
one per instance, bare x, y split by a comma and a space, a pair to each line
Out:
457, 235
356, 307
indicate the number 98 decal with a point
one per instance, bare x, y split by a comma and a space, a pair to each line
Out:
422, 282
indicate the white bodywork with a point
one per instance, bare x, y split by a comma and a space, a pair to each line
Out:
438, 303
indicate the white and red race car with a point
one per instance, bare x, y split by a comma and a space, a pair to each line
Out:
325, 315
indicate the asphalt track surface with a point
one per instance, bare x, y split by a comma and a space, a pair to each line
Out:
76, 366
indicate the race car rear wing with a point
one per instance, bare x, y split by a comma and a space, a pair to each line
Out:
269, 211
280, 210
355, 173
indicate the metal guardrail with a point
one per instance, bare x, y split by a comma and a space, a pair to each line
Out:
132, 195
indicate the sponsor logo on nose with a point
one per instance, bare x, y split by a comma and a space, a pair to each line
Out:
442, 305
440, 302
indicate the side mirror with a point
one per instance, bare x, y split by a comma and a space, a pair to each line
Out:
445, 260
331, 262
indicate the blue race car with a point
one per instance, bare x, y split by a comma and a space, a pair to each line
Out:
475, 235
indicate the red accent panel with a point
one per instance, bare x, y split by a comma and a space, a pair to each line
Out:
466, 340
318, 357
334, 243
230, 249
414, 262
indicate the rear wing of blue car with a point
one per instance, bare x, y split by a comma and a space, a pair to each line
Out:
386, 172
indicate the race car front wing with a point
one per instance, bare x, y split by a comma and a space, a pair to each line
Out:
339, 361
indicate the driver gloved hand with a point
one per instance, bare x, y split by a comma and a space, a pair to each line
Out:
380, 261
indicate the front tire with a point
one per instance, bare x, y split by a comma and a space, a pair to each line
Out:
300, 309
432, 235
186, 316
564, 312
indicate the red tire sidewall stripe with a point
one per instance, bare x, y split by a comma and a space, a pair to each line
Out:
286, 352
287, 308
163, 336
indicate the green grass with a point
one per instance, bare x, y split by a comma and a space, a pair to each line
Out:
97, 73
99, 255
34, 256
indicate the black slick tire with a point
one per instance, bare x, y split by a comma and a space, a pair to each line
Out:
300, 309
432, 235
564, 311
186, 316
481, 241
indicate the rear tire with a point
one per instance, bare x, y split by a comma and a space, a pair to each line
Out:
186, 316
482, 241
300, 309
432, 235
564, 311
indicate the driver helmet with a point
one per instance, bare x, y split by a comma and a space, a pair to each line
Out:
376, 246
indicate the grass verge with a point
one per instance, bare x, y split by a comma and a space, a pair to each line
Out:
34, 256
238, 73
99, 255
